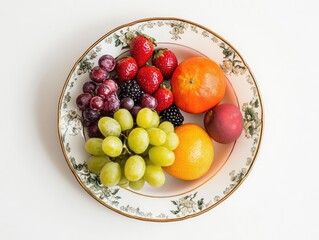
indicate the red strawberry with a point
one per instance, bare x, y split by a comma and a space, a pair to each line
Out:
149, 78
166, 61
141, 48
164, 97
126, 69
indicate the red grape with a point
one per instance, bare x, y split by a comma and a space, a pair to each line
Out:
135, 110
107, 62
112, 104
91, 115
83, 101
98, 75
105, 113
103, 91
127, 103
148, 101
94, 131
89, 87
96, 103
86, 123
111, 84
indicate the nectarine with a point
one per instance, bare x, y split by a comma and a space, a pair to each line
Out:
224, 123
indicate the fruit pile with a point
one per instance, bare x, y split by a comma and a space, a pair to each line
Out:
131, 116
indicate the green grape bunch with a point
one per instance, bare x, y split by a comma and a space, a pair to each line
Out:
132, 151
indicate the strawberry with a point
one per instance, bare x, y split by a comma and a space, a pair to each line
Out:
126, 69
149, 78
164, 97
166, 61
141, 48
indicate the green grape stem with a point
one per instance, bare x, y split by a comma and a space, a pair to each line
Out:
126, 150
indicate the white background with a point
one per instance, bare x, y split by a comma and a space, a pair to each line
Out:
41, 40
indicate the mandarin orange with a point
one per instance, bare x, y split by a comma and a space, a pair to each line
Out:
198, 84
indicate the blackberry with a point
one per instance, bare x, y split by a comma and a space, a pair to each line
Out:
173, 115
131, 89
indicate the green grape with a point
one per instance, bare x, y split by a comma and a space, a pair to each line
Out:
154, 176
156, 119
96, 163
161, 156
110, 174
148, 161
124, 182
172, 141
122, 161
166, 126
134, 168
145, 153
112, 146
137, 185
138, 140
157, 136
124, 185
94, 146
145, 118
109, 127
124, 118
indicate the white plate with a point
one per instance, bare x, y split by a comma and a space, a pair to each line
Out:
177, 199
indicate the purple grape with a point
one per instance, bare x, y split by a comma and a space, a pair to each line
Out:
135, 110
111, 84
83, 101
127, 103
86, 123
112, 104
107, 62
105, 113
98, 75
94, 131
96, 103
89, 87
148, 101
103, 91
91, 115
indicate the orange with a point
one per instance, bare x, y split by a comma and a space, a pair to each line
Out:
198, 84
194, 154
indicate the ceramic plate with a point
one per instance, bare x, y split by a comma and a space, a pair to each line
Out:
177, 199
